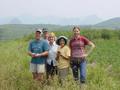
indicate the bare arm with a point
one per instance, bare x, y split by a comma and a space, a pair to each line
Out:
31, 54
66, 55
42, 54
91, 49
67, 58
38, 55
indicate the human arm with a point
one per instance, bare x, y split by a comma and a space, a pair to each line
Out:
42, 54
66, 54
65, 57
45, 50
92, 46
58, 55
30, 53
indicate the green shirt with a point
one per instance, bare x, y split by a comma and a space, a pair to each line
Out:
38, 46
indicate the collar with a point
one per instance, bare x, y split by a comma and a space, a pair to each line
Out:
78, 38
37, 40
53, 44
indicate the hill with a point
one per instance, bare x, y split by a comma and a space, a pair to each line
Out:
111, 23
15, 21
28, 19
14, 31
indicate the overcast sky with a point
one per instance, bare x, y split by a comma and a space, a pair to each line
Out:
60, 8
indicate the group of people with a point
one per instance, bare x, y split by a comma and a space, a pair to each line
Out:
54, 56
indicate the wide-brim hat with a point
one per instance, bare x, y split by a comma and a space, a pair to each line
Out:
61, 37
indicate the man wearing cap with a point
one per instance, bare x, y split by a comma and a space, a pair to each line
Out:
45, 34
38, 50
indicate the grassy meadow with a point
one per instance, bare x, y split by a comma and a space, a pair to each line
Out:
103, 65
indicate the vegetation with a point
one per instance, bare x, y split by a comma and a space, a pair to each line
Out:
103, 68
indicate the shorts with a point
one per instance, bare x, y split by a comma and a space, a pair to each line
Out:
37, 68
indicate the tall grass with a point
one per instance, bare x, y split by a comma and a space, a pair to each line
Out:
94, 34
103, 69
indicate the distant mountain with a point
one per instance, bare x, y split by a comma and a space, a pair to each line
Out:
10, 20
14, 31
111, 23
87, 20
15, 21
5, 20
91, 20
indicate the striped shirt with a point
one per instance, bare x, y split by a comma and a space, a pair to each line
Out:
77, 46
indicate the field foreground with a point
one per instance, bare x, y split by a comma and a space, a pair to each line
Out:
103, 69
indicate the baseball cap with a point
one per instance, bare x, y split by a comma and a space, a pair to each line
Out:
38, 30
44, 30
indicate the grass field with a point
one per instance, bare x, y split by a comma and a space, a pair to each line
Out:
15, 31
103, 68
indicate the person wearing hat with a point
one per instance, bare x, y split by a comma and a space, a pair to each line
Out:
63, 55
38, 50
45, 34
79, 54
51, 65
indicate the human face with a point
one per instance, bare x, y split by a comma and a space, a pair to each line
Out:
51, 39
76, 32
46, 35
37, 35
62, 42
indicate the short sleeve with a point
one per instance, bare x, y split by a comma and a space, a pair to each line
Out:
68, 51
30, 47
86, 41
70, 42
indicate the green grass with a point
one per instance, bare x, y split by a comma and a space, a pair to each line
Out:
103, 69
15, 31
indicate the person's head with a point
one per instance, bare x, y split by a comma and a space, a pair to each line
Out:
45, 33
76, 31
62, 41
51, 37
38, 33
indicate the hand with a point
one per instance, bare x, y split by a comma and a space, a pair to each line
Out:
84, 55
37, 55
58, 53
33, 55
